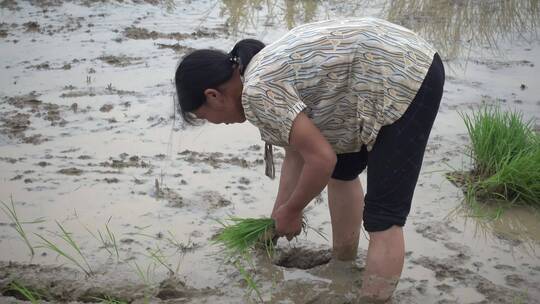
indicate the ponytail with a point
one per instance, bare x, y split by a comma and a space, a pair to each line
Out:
244, 50
203, 69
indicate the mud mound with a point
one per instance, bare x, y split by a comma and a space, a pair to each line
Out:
142, 33
303, 258
217, 159
56, 284
61, 284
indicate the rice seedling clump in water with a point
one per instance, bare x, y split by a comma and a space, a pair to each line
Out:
505, 150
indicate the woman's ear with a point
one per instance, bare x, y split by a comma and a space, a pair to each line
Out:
213, 97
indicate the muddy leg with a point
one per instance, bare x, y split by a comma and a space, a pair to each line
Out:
346, 203
385, 258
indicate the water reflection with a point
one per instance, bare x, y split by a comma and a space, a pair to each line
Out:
252, 14
454, 27
516, 225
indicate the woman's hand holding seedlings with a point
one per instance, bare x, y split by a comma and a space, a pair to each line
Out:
316, 167
288, 222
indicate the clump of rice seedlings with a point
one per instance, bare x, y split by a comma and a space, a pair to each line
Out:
496, 138
242, 236
66, 236
11, 213
246, 233
519, 179
505, 151
33, 296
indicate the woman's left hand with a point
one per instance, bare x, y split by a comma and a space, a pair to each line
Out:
288, 222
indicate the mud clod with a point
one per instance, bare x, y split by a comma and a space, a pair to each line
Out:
106, 108
120, 61
71, 171
172, 288
32, 26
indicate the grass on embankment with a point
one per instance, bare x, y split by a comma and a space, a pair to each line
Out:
505, 151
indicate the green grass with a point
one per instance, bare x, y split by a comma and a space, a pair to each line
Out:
160, 258
11, 213
66, 236
109, 240
25, 292
505, 151
146, 278
110, 300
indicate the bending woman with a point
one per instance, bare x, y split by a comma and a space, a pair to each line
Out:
339, 96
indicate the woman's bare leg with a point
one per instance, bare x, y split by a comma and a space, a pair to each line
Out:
346, 203
384, 263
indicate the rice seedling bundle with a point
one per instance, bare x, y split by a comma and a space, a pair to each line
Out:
243, 234
506, 154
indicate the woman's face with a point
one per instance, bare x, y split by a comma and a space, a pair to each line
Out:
223, 104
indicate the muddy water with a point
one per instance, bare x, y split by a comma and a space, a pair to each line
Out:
88, 139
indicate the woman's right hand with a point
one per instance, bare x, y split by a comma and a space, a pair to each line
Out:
288, 222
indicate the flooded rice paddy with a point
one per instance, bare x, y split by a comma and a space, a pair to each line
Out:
89, 142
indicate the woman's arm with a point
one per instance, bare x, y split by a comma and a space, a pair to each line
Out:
290, 173
319, 162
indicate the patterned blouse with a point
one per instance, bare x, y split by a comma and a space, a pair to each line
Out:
350, 77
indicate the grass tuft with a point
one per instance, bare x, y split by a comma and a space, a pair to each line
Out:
505, 151
11, 213
497, 137
32, 296
66, 236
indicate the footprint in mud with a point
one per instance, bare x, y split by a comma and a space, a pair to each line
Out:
435, 230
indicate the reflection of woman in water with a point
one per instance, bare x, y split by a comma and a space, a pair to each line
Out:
339, 96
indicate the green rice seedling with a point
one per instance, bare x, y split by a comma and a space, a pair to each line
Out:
180, 247
248, 278
66, 236
145, 277
110, 300
518, 180
496, 137
109, 240
158, 256
246, 233
11, 213
32, 296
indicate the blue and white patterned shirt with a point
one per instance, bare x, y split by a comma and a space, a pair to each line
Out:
350, 77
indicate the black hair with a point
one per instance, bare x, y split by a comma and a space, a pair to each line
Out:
203, 69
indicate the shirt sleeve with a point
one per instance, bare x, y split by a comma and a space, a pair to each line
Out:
273, 107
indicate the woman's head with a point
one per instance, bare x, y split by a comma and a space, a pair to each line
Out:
208, 83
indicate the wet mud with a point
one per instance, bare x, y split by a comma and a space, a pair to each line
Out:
90, 142
61, 284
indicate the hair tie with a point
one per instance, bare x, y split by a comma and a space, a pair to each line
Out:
234, 59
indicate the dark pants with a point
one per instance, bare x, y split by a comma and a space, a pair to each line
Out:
394, 163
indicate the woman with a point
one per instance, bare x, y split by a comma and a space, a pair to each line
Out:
339, 96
